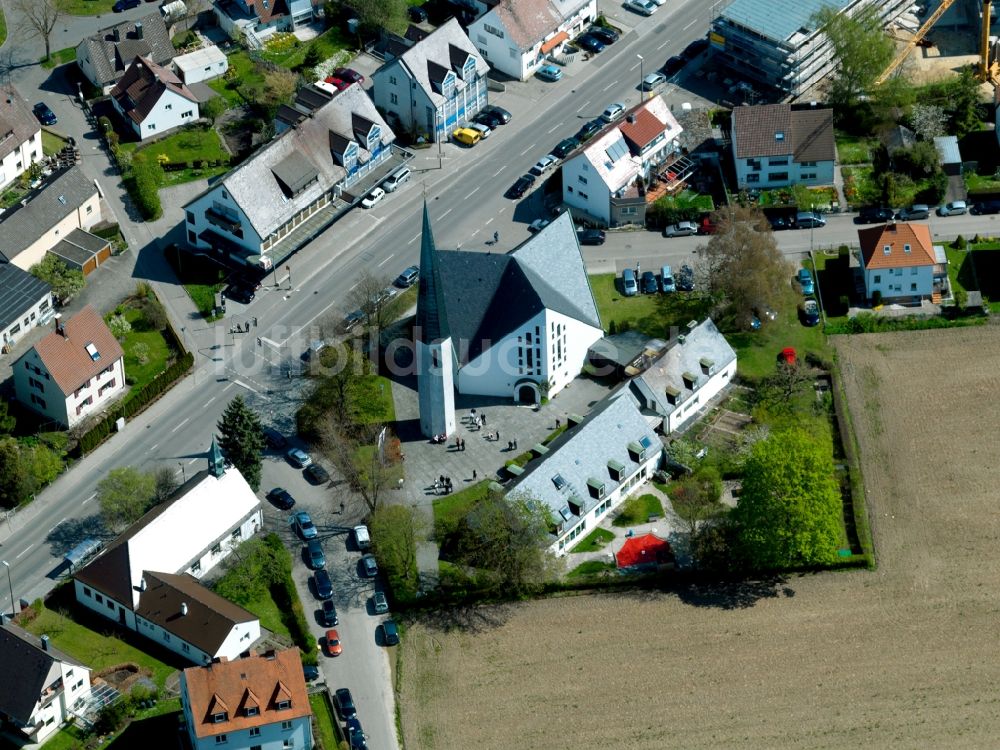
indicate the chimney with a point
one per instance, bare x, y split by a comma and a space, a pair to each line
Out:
117, 34
184, 608
60, 328
631, 118
45, 643
138, 30
142, 584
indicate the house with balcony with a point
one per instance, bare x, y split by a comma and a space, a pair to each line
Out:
257, 19
152, 100
76, 371
776, 146
606, 180
294, 187
104, 57
25, 302
516, 37
20, 136
433, 86
42, 685
146, 580
253, 701
694, 367
900, 264
590, 469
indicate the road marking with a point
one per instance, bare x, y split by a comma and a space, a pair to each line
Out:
527, 149
414, 238
500, 170
634, 67
473, 192
95, 494
204, 405
555, 127
228, 387
611, 85
475, 233
181, 424
193, 460
18, 557
151, 450
489, 220
242, 385
690, 25
386, 260
665, 43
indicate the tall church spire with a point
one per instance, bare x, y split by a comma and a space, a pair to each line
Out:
432, 322
216, 463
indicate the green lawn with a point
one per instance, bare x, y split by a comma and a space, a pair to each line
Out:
51, 143
246, 73
67, 738
591, 568
330, 43
757, 351
3, 27
450, 509
596, 540
158, 352
325, 731
195, 143
853, 149
86, 7
59, 57
97, 650
652, 314
977, 183
637, 509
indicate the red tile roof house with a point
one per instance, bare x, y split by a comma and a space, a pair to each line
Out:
75, 371
255, 701
900, 262
152, 99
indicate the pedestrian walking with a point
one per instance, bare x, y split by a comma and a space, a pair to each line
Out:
483, 417
496, 237
463, 444
557, 423
254, 321
515, 443
496, 436
510, 445
474, 475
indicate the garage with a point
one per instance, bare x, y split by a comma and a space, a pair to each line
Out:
82, 250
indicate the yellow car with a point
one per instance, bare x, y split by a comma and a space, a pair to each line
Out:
467, 136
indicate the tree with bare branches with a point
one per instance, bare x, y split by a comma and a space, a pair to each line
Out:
40, 18
359, 453
369, 296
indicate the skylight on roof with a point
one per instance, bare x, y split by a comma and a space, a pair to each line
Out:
558, 481
779, 135
92, 351
645, 442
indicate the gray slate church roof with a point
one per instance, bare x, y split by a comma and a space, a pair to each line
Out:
487, 296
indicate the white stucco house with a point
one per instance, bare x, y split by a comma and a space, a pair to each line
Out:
516, 37
693, 369
898, 261
147, 579
76, 371
776, 146
435, 85
294, 187
20, 136
153, 100
42, 685
256, 701
591, 468
601, 178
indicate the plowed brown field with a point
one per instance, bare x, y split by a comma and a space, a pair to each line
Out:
905, 656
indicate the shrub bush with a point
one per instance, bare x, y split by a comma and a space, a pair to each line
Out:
959, 243
145, 179
287, 598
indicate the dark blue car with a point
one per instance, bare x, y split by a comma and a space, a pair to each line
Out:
590, 43
121, 5
45, 115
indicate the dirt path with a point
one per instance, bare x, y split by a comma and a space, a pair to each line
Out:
900, 657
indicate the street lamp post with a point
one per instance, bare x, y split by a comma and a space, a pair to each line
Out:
288, 270
641, 96
812, 226
13, 602
438, 132
183, 473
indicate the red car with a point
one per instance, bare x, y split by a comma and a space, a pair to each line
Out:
333, 647
787, 355
349, 74
337, 82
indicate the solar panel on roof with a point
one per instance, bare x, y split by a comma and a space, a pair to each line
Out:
617, 150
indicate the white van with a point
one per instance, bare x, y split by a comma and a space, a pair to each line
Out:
362, 538
396, 179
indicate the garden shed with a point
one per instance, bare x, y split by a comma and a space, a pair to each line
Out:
948, 154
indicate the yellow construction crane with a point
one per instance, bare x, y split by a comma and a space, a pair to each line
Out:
987, 67
921, 33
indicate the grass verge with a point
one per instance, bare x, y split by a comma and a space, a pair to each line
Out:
591, 569
324, 718
59, 57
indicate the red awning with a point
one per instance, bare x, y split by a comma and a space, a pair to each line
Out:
647, 549
554, 42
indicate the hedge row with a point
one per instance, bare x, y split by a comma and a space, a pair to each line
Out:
134, 403
285, 595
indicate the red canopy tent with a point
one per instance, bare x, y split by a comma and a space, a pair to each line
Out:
647, 549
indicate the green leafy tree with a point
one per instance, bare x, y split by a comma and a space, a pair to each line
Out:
145, 179
253, 567
789, 511
860, 47
66, 282
695, 498
165, 482
378, 14
125, 494
964, 101
213, 108
42, 463
241, 439
394, 530
119, 326
15, 483
7, 421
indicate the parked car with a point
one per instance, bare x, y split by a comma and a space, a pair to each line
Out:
304, 525
538, 225
298, 458
373, 198
647, 282
408, 277
685, 279
520, 186
754, 322
805, 279
807, 219
915, 212
489, 119
323, 584
549, 73
642, 7
316, 474
315, 558
673, 65
681, 229
613, 111
695, 48
500, 112
778, 223
328, 614
352, 320
629, 286
281, 499
606, 35
765, 313
332, 643
356, 735
123, 5
466, 136
986, 207
349, 74
45, 115
954, 208
273, 438
379, 602
369, 566
483, 130
809, 310
362, 538
589, 130
565, 147
242, 294
416, 14
310, 672
653, 80
344, 704
392, 183
338, 83
591, 236
874, 215
590, 43
390, 633
667, 284
543, 165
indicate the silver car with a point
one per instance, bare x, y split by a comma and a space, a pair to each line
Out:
681, 229
380, 603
